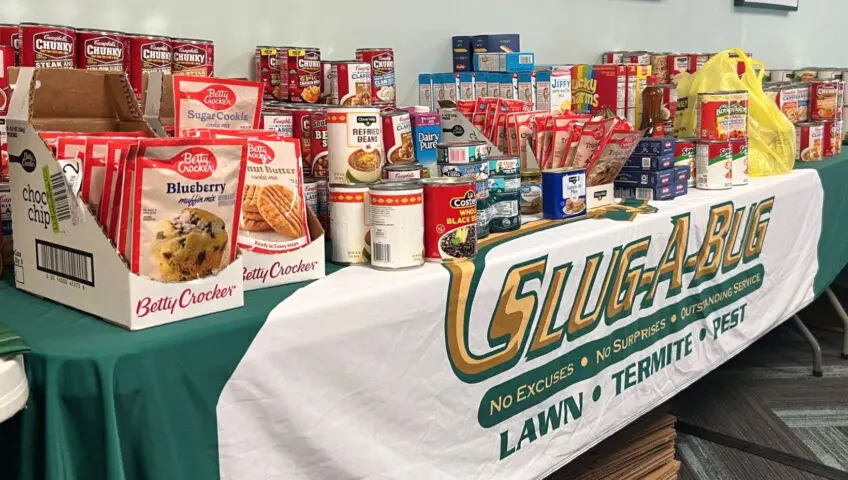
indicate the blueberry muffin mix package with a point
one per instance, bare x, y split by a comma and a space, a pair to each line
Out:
187, 193
201, 102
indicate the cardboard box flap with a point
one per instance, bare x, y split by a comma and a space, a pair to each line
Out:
158, 97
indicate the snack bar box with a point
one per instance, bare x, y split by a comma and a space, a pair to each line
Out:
61, 253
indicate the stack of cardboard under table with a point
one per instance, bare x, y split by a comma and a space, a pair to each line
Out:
643, 450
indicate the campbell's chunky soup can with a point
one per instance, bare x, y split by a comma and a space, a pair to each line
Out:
450, 219
824, 100
739, 150
302, 130
10, 35
350, 83
148, 53
397, 137
355, 142
304, 74
272, 71
191, 57
809, 141
684, 156
320, 145
47, 46
722, 115
396, 223
382, 62
351, 239
714, 165
7, 59
102, 50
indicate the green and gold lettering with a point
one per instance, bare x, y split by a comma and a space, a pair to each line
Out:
672, 261
709, 256
626, 280
757, 235
546, 338
580, 322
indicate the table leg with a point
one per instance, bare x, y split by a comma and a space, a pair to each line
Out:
817, 355
837, 305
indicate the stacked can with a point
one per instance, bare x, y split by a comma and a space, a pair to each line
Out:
721, 153
470, 160
505, 193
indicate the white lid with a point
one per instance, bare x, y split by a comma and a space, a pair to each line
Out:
14, 388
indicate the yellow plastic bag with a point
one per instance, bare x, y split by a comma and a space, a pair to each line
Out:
771, 136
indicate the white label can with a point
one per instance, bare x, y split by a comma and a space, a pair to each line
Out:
355, 144
349, 223
714, 165
396, 215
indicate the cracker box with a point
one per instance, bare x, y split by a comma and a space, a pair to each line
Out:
644, 193
503, 42
462, 51
642, 178
61, 252
426, 134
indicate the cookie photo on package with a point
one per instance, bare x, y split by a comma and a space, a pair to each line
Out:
216, 103
187, 193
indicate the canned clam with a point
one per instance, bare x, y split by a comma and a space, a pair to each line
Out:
396, 217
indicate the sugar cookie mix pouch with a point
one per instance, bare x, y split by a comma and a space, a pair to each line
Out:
216, 103
187, 195
273, 209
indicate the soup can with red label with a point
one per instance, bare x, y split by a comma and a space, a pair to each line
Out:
319, 144
829, 138
148, 53
739, 150
191, 57
102, 50
684, 155
48, 46
10, 36
450, 219
697, 61
397, 137
403, 171
824, 100
382, 62
271, 71
677, 63
304, 74
722, 115
350, 83
7, 59
839, 132
809, 141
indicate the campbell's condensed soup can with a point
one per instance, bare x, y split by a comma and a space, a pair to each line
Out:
830, 138
319, 144
809, 141
697, 61
350, 83
714, 165
396, 218
382, 62
192, 57
101, 50
47, 46
148, 53
403, 171
351, 239
824, 100
739, 150
7, 59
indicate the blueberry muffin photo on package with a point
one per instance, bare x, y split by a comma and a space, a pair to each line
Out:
187, 195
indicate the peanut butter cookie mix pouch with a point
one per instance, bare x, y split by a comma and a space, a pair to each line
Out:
187, 195
205, 102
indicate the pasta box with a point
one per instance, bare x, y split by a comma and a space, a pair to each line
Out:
462, 51
638, 177
650, 162
655, 147
682, 174
644, 193
502, 42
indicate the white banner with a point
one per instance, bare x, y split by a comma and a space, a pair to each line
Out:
511, 366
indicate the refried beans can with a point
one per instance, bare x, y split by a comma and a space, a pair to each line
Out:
461, 152
382, 62
304, 74
714, 164
396, 219
722, 115
824, 100
7, 59
684, 155
355, 142
397, 137
271, 67
829, 138
47, 46
351, 239
319, 150
402, 171
350, 84
809, 141
102, 50
191, 57
148, 53
739, 150
450, 219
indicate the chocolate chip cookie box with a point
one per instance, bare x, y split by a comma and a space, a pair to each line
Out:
61, 252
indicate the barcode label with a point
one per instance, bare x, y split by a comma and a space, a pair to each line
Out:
382, 252
60, 196
65, 262
644, 194
525, 59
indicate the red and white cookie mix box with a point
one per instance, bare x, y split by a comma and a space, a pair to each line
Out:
61, 250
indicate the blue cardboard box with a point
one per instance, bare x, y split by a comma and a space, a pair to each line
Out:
652, 163
462, 51
501, 42
642, 178
644, 193
655, 147
682, 173
516, 62
681, 189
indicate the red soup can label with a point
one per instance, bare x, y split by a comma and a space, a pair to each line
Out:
684, 155
722, 115
824, 100
304, 74
829, 138
48, 46
101, 50
302, 130
7, 59
190, 57
397, 137
318, 148
10, 35
350, 83
714, 163
148, 54
809, 141
739, 150
450, 219
382, 62
269, 71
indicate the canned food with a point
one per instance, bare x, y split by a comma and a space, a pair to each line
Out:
6, 222
302, 130
102, 50
484, 211
563, 193
323, 212
697, 61
450, 219
10, 36
739, 150
531, 191
504, 164
403, 171
504, 183
507, 212
4, 151
319, 145
478, 170
779, 76
805, 75
669, 105
48, 46
382, 62
396, 218
147, 54
461, 152
351, 239
7, 59
684, 155
839, 127
722, 115
809, 141
350, 84
714, 165
827, 74
192, 57
659, 67
677, 63
271, 71
612, 57
279, 121
829, 138
802, 92
310, 193
355, 139
397, 137
823, 100
304, 73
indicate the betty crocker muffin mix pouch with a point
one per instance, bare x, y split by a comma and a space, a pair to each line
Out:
216, 103
186, 196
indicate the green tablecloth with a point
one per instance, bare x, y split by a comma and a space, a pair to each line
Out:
110, 404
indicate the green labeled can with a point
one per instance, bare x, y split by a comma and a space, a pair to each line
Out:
506, 216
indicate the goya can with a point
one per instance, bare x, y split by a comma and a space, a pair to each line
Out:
714, 165
478, 170
304, 74
270, 71
809, 141
402, 171
102, 50
47, 46
722, 115
310, 193
351, 239
450, 219
504, 164
506, 211
382, 62
461, 152
319, 148
397, 137
739, 150
563, 193
684, 155
350, 83
147, 54
191, 56
824, 103
396, 217
355, 140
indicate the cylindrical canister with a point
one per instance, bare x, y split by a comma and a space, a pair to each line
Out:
396, 217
